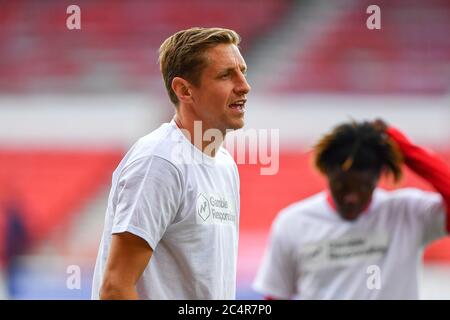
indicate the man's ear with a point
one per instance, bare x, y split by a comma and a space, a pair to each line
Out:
181, 88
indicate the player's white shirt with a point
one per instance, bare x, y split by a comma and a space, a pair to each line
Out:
314, 254
186, 206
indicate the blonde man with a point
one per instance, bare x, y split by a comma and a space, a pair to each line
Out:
171, 228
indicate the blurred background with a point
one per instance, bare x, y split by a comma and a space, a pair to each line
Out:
73, 101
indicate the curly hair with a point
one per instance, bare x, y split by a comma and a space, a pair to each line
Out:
358, 146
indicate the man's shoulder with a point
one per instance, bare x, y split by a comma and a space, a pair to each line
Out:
153, 147
159, 143
304, 208
400, 195
225, 156
407, 198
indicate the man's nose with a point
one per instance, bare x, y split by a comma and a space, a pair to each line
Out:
243, 86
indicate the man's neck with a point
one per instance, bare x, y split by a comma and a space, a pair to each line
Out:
195, 130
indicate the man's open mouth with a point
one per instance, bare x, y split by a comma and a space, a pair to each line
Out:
238, 105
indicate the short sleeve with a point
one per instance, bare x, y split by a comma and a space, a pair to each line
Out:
147, 198
276, 276
428, 209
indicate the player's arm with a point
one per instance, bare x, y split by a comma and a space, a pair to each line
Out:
128, 257
426, 164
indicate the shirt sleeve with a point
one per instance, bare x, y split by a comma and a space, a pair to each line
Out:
426, 164
427, 210
147, 198
276, 276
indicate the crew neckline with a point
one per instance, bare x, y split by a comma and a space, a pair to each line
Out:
199, 156
332, 205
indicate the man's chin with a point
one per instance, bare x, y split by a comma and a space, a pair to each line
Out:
350, 216
235, 125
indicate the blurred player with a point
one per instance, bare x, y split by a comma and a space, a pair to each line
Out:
172, 222
356, 241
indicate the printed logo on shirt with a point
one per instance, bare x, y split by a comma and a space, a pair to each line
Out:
203, 208
215, 209
344, 251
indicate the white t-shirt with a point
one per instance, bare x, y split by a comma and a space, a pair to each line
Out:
186, 206
315, 254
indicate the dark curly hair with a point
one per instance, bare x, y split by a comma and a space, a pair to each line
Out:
358, 146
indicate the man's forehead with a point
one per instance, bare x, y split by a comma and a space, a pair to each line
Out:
225, 56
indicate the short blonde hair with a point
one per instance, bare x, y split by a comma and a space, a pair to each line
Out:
181, 55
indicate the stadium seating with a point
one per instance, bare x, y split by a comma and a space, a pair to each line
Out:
116, 47
410, 54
